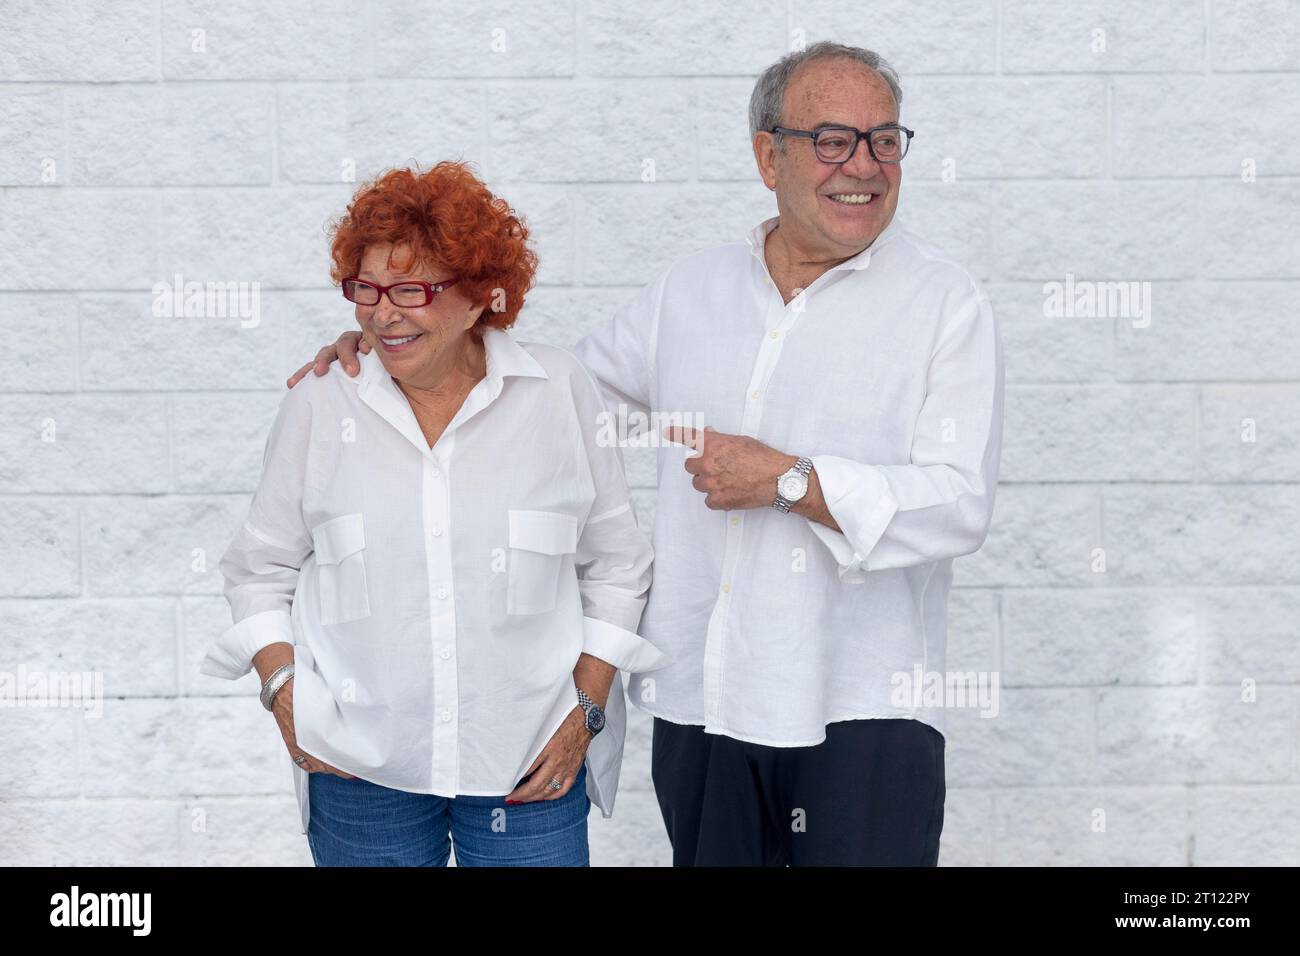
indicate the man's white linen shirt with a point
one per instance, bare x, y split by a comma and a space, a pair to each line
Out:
438, 598
887, 373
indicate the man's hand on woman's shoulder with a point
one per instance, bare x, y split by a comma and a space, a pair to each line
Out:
344, 351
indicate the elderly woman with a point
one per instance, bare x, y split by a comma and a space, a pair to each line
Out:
440, 572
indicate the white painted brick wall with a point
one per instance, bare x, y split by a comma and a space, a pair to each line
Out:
126, 157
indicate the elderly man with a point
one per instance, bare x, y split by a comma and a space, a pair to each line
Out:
851, 380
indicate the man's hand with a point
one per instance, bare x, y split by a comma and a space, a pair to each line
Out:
344, 351
733, 471
737, 472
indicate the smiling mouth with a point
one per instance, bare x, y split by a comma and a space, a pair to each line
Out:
394, 343
852, 199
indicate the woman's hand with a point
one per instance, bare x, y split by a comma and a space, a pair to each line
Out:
343, 351
282, 708
561, 758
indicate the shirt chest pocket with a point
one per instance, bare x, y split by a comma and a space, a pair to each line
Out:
539, 542
340, 545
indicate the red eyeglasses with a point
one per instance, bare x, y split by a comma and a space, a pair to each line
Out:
409, 294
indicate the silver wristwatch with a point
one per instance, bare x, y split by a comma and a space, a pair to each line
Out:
792, 486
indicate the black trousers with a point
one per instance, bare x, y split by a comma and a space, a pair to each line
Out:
871, 794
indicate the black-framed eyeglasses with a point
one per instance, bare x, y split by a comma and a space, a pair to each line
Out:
407, 295
887, 143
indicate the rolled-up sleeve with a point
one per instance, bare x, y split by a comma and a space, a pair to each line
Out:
614, 556
940, 505
262, 563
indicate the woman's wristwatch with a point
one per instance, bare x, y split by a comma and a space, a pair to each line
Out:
595, 716
279, 677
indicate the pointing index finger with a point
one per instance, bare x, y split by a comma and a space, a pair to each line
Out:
682, 435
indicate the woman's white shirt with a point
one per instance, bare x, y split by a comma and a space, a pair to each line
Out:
438, 598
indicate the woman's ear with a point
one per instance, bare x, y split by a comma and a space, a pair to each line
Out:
472, 315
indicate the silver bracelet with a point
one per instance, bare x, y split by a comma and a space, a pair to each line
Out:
273, 684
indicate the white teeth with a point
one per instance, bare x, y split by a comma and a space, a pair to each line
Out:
853, 199
402, 341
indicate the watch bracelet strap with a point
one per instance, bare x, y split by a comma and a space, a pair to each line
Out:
804, 466
587, 705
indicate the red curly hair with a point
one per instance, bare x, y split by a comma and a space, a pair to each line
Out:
445, 215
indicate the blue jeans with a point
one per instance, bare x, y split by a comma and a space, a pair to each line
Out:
359, 823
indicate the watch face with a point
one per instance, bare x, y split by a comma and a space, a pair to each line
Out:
595, 719
792, 487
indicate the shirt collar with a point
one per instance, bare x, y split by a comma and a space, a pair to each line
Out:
758, 236
505, 357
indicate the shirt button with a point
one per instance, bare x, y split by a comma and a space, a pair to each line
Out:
436, 532
726, 588
776, 335
446, 653
735, 520
754, 394
434, 472
446, 714
442, 593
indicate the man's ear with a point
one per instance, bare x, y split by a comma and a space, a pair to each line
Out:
765, 157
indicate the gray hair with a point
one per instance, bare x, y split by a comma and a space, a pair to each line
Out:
769, 92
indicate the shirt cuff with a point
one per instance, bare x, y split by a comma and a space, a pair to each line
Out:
231, 655
859, 500
625, 650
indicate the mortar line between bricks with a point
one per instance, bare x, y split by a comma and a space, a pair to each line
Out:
484, 138
1100, 527
158, 41
1196, 434
1199, 614
178, 644
1108, 164
83, 575
1206, 38
274, 131
76, 365
667, 186
1295, 737
168, 424
65, 143
1112, 351
997, 37
737, 185
457, 80
1094, 731
579, 61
